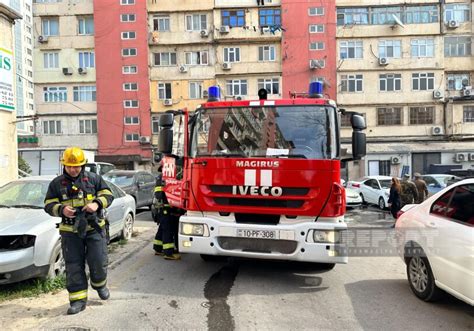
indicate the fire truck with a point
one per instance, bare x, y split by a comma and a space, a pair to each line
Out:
259, 178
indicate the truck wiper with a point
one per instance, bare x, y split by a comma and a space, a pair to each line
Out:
26, 206
283, 156
222, 154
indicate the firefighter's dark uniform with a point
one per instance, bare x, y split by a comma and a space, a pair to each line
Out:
91, 245
166, 238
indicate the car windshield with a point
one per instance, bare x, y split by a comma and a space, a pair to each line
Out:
443, 179
23, 194
284, 131
385, 183
120, 179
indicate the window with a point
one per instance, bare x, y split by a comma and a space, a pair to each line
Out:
269, 17
128, 70
51, 60
457, 81
422, 47
132, 137
128, 35
50, 26
272, 85
87, 59
456, 204
196, 22
129, 51
132, 120
130, 86
155, 128
127, 2
422, 81
164, 91
195, 90
161, 23
389, 116
51, 127
316, 28
390, 48
196, 58
457, 46
164, 59
421, 115
390, 82
346, 120
316, 46
266, 53
233, 18
351, 50
377, 168
87, 126
85, 25
84, 93
384, 15
349, 16
316, 11
130, 103
232, 54
351, 83
236, 87
54, 94
127, 18
421, 14
457, 11
468, 114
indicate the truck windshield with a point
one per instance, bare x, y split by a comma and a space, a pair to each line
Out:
283, 131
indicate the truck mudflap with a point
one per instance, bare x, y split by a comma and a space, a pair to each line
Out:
305, 241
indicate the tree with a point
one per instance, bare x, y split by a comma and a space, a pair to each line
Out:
23, 165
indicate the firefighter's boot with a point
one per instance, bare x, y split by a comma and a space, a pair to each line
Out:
104, 293
76, 307
175, 256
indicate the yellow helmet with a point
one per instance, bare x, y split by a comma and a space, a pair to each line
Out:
73, 157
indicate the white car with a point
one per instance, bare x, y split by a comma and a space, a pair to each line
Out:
353, 198
30, 244
436, 241
373, 189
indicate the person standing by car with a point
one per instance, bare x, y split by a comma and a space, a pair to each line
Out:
409, 193
394, 200
78, 197
421, 188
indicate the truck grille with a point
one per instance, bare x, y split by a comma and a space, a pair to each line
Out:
257, 245
287, 191
259, 202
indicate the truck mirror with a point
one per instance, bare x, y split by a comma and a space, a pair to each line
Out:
358, 145
166, 120
165, 140
358, 122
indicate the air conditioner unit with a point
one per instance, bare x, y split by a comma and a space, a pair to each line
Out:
315, 64
82, 71
395, 160
460, 157
453, 24
183, 69
471, 156
205, 94
67, 71
438, 94
224, 29
144, 140
467, 91
42, 39
204, 33
167, 102
226, 66
383, 61
437, 130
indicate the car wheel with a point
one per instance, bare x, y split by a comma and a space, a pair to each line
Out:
107, 232
381, 203
421, 279
57, 265
127, 227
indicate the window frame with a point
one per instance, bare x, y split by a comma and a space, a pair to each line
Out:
161, 22
197, 86
47, 128
47, 60
356, 79
240, 84
417, 43
356, 47
47, 31
233, 19
414, 119
165, 90
128, 51
90, 55
131, 103
390, 78
265, 55
233, 52
85, 124
128, 35
269, 81
423, 76
82, 22
397, 111
131, 120
172, 59
189, 22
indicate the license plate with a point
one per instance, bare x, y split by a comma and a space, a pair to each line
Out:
261, 234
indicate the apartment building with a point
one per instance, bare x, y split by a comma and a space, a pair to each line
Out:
408, 67
308, 46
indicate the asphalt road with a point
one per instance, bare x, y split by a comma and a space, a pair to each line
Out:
369, 293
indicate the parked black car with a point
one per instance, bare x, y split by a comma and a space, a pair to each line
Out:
139, 184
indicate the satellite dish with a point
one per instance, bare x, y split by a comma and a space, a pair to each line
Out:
397, 21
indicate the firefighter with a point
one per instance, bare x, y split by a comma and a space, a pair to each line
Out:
79, 197
165, 242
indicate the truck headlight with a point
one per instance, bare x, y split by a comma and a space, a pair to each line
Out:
326, 236
191, 229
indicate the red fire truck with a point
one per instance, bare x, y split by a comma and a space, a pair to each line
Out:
260, 178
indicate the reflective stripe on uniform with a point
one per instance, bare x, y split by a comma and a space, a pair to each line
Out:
99, 284
103, 201
168, 246
70, 228
159, 189
56, 209
79, 295
47, 202
101, 196
158, 242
